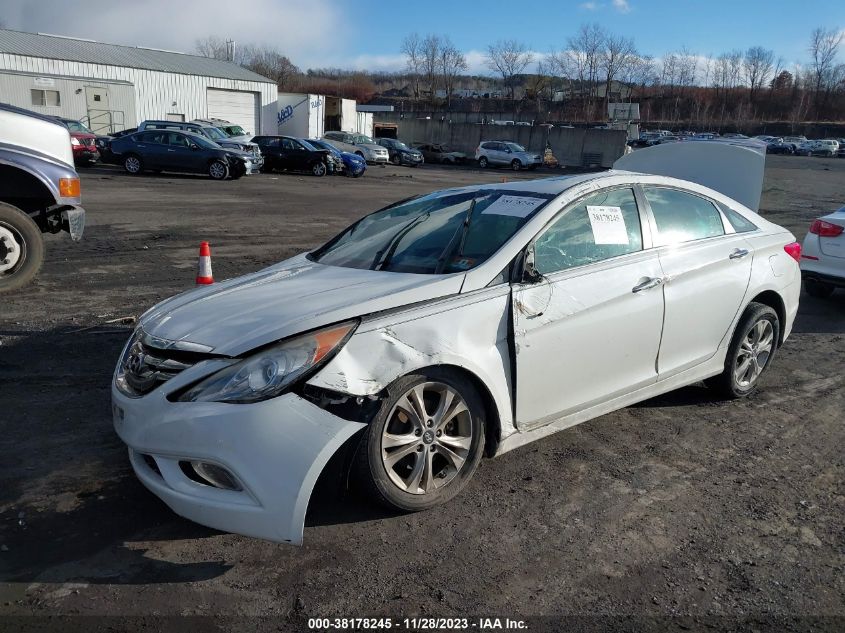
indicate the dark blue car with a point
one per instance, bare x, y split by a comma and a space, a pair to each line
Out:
353, 164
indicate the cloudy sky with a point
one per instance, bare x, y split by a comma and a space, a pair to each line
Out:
367, 34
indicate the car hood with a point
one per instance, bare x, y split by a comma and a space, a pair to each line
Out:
372, 147
238, 315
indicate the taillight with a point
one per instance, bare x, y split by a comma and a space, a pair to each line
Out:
793, 250
826, 229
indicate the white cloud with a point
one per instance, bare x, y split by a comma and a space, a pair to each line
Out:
589, 6
304, 30
622, 6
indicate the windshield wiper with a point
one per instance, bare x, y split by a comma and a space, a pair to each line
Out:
393, 244
464, 229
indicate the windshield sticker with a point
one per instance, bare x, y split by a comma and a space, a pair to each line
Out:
517, 206
608, 225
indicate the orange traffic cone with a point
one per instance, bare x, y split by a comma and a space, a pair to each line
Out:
204, 275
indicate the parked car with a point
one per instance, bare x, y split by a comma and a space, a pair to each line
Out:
668, 139
823, 147
400, 154
779, 146
174, 150
83, 142
823, 255
439, 153
292, 154
734, 135
705, 136
841, 152
360, 144
441, 328
210, 132
39, 193
506, 153
795, 141
353, 164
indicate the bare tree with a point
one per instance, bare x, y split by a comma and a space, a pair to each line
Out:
618, 54
430, 61
212, 46
412, 50
587, 45
757, 66
452, 64
824, 46
509, 58
270, 63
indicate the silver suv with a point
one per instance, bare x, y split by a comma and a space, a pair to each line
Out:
210, 132
506, 153
360, 144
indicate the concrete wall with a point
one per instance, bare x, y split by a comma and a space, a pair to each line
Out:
571, 147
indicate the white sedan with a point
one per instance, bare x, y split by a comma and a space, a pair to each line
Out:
458, 324
823, 255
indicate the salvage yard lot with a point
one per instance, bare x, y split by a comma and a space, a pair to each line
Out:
683, 505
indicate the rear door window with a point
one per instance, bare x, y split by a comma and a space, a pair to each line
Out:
681, 216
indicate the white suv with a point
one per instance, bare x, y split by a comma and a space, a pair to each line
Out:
823, 255
506, 153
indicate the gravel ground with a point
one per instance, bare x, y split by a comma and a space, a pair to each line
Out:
683, 512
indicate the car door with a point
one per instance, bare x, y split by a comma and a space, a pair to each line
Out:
288, 154
706, 266
270, 150
497, 154
178, 154
152, 148
589, 329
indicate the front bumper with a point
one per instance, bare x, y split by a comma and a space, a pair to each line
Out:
86, 154
275, 449
408, 159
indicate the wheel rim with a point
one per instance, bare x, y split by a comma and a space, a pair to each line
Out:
217, 170
133, 165
12, 250
319, 169
516, 165
483, 162
754, 352
427, 438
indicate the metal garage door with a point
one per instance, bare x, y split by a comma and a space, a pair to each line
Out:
235, 106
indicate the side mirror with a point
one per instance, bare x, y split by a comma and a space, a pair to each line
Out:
530, 274
194, 146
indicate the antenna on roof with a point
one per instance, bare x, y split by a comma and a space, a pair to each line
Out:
230, 50
67, 37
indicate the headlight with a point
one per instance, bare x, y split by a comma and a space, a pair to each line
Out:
268, 373
74, 141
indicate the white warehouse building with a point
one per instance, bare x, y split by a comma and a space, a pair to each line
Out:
111, 88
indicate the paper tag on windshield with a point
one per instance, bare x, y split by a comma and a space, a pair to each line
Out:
517, 206
608, 225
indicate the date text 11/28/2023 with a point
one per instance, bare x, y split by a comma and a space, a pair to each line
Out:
416, 624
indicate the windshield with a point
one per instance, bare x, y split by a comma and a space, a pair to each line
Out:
324, 145
213, 132
236, 130
307, 145
515, 148
360, 138
76, 126
203, 142
440, 233
400, 145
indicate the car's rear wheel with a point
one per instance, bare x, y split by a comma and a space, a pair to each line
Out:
516, 164
218, 170
318, 169
21, 248
482, 162
750, 353
818, 289
395, 159
425, 443
133, 164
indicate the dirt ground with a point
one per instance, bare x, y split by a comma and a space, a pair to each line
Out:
683, 512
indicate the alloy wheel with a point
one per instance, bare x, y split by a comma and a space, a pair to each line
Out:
753, 353
132, 165
12, 249
217, 170
427, 438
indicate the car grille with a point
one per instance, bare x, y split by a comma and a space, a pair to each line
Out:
87, 141
149, 363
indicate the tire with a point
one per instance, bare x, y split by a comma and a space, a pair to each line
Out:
21, 248
516, 165
425, 475
756, 340
818, 289
218, 170
396, 160
482, 162
318, 169
133, 164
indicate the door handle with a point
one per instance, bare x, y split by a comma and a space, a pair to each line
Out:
171, 150
738, 253
651, 282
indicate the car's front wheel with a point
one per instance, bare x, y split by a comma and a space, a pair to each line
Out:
750, 353
482, 162
21, 248
218, 170
133, 165
425, 443
516, 165
318, 169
